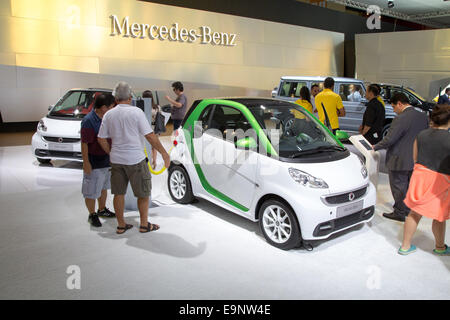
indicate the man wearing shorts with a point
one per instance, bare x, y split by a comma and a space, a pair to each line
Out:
126, 126
96, 168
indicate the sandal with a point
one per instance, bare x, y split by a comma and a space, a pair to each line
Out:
127, 226
150, 227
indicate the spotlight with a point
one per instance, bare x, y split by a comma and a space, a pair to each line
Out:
390, 3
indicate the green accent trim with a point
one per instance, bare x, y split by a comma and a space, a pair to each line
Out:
246, 143
341, 135
189, 133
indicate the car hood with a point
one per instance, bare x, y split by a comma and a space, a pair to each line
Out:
62, 128
340, 175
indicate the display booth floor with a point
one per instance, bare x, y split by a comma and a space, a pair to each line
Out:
49, 251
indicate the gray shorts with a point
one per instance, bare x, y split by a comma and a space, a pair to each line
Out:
94, 183
138, 175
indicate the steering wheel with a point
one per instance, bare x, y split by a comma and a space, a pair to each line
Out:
303, 138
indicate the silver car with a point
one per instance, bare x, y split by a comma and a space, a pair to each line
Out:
352, 92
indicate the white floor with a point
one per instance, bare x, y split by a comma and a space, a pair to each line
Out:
201, 251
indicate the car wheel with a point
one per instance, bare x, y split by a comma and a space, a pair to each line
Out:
385, 130
279, 225
43, 161
180, 188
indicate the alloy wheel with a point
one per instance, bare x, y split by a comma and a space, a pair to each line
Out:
178, 184
276, 224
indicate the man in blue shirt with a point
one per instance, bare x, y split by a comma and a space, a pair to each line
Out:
444, 99
96, 166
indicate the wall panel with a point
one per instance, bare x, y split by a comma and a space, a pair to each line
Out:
417, 59
59, 44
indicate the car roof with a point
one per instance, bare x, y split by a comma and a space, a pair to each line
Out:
251, 101
336, 79
91, 89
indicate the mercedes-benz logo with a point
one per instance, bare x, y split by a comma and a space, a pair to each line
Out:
351, 196
60, 140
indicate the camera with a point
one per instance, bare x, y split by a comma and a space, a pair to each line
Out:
390, 3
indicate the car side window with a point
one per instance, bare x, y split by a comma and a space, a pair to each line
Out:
412, 100
351, 92
292, 88
228, 120
205, 117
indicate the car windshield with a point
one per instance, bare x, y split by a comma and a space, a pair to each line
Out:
415, 94
292, 131
74, 104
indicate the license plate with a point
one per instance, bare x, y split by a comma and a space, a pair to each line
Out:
60, 146
349, 209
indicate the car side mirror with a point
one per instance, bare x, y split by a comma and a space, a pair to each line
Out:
247, 143
342, 135
50, 108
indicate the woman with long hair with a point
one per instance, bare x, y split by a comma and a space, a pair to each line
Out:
305, 99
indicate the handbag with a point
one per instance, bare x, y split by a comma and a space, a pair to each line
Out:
160, 123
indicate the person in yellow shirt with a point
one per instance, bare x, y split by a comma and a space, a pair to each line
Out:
305, 99
329, 106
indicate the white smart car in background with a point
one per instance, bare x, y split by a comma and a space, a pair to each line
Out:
58, 133
270, 161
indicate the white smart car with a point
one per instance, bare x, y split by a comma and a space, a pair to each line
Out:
58, 133
270, 161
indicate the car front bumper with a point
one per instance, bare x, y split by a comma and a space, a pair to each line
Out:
53, 150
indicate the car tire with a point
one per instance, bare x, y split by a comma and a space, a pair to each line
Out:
179, 185
273, 216
43, 161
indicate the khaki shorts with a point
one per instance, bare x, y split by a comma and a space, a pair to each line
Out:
138, 175
95, 183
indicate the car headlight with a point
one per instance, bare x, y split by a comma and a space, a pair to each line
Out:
306, 179
41, 126
364, 171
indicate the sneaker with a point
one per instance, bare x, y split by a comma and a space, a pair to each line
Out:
405, 252
94, 220
394, 216
445, 252
106, 213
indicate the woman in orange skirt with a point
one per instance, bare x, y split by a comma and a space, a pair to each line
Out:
428, 192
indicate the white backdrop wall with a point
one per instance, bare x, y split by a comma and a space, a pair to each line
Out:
49, 46
416, 59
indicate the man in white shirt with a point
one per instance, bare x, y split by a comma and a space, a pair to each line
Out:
126, 126
315, 90
355, 96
